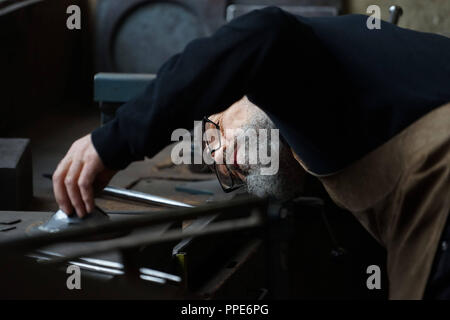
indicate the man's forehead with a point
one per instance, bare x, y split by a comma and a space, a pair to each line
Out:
235, 113
215, 117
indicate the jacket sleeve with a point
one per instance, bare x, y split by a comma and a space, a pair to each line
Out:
335, 89
208, 76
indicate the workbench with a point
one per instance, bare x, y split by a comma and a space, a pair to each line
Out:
195, 269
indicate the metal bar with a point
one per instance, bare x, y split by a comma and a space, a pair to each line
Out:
196, 225
104, 263
108, 267
8, 223
143, 197
91, 267
120, 87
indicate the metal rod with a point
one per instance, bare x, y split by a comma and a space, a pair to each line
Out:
87, 266
29, 243
143, 197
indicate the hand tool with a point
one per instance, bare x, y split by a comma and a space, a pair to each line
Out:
8, 223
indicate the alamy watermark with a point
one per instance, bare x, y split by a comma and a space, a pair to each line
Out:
74, 20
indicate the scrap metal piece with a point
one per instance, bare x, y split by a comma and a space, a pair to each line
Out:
61, 221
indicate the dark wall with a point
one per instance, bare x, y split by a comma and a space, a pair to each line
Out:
42, 63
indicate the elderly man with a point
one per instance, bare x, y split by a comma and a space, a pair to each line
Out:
365, 111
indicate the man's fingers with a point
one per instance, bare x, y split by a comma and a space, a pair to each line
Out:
85, 183
61, 196
71, 183
76, 175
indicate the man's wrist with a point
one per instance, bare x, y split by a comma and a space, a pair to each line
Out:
111, 146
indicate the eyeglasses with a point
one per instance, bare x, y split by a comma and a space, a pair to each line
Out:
212, 143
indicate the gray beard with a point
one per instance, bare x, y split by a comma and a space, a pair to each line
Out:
287, 183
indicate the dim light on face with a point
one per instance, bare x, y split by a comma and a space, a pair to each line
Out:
242, 146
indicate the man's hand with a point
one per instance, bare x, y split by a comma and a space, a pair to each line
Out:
79, 174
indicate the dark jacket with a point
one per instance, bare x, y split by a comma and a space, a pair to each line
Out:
335, 89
